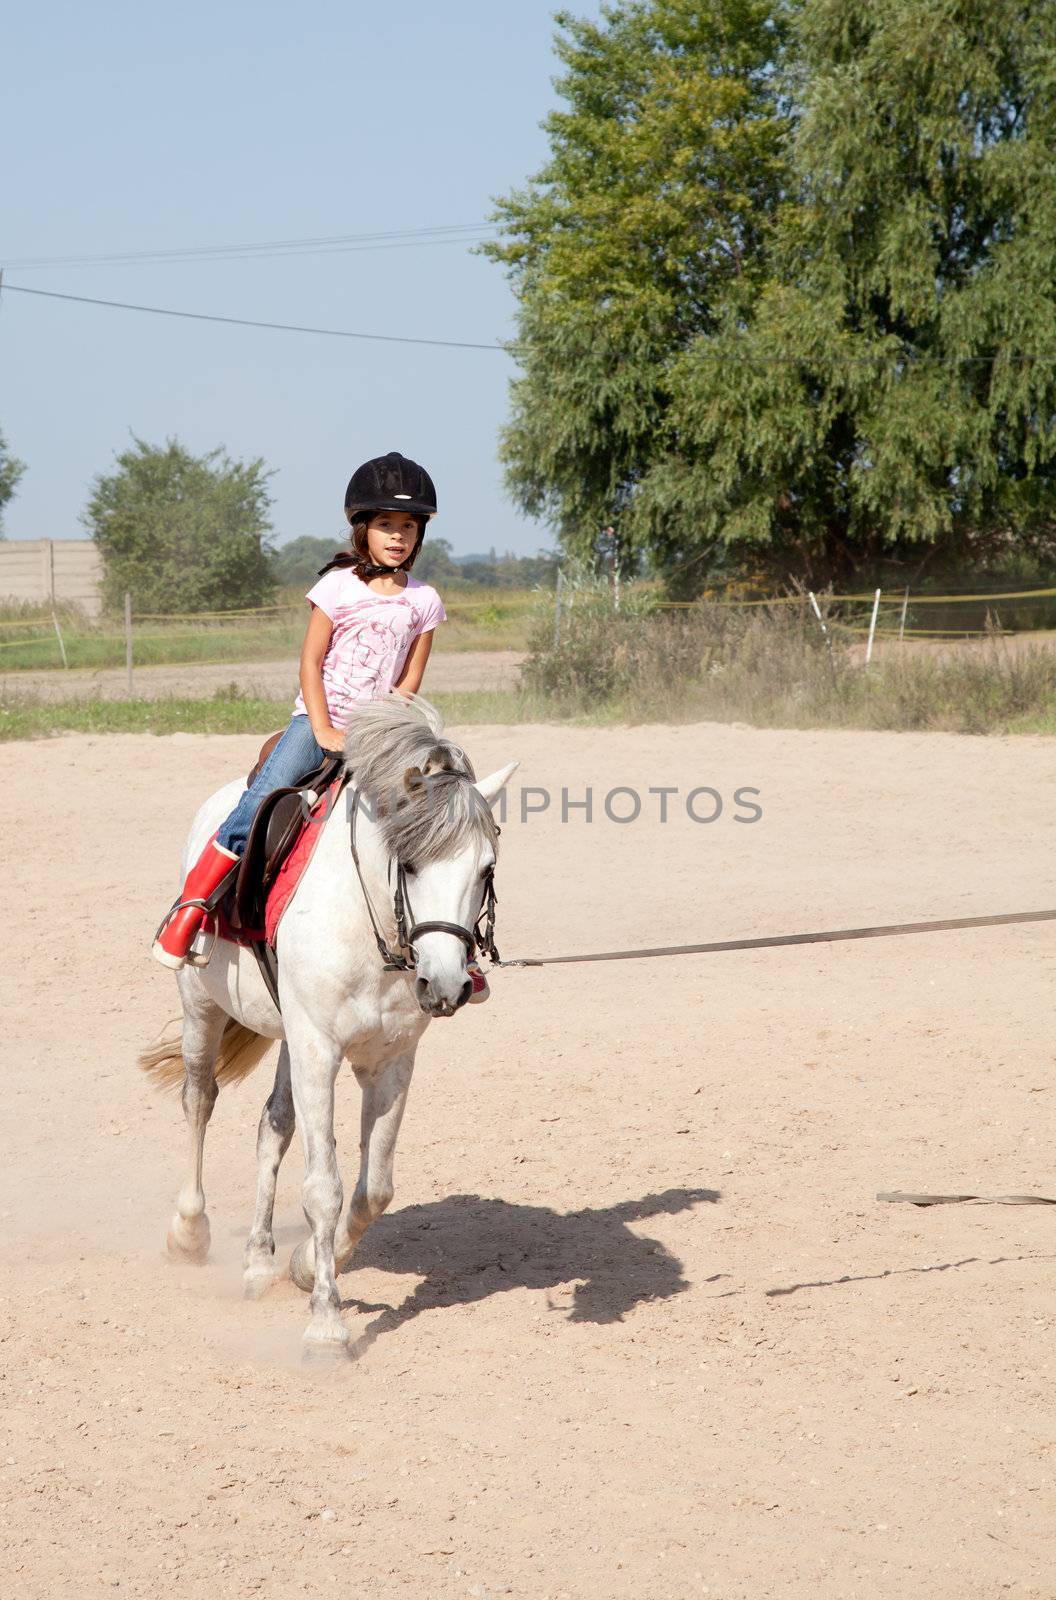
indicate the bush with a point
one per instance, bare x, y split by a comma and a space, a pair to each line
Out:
770, 665
182, 533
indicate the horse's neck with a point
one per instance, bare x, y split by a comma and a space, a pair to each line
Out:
335, 878
327, 947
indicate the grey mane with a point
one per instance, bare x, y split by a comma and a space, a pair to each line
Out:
420, 785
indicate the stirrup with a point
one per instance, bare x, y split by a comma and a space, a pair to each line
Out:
178, 905
194, 958
210, 929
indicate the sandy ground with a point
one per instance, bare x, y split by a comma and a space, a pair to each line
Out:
457, 669
635, 1325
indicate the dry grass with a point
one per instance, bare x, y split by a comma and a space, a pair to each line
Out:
771, 666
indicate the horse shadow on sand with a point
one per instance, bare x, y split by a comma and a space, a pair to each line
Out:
465, 1248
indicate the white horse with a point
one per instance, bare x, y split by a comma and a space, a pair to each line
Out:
417, 807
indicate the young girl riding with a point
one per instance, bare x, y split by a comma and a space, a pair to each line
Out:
370, 631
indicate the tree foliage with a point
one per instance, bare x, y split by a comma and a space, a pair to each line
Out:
651, 212
298, 561
181, 532
11, 470
785, 284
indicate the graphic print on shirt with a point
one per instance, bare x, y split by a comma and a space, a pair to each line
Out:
370, 639
379, 633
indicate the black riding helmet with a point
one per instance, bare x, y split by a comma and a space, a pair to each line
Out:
390, 483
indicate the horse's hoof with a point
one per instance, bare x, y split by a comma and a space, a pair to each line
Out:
188, 1239
324, 1356
326, 1345
302, 1276
256, 1281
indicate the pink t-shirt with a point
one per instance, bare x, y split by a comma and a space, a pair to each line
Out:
372, 636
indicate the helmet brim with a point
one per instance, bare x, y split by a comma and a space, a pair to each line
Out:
414, 508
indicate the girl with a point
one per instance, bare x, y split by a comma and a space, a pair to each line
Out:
370, 631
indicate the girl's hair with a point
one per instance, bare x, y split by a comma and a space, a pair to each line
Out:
358, 558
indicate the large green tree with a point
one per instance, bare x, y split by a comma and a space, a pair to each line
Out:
11, 470
648, 219
876, 386
181, 532
892, 399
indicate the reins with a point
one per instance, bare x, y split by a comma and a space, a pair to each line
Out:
832, 936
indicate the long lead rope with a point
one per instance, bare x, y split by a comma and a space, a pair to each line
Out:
888, 931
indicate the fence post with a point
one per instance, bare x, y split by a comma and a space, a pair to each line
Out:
872, 628
817, 612
128, 644
58, 635
825, 631
557, 607
902, 624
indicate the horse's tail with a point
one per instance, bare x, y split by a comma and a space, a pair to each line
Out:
240, 1051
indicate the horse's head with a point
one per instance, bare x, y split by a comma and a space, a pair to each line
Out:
437, 826
447, 843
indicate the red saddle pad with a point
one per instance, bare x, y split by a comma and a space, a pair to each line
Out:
292, 870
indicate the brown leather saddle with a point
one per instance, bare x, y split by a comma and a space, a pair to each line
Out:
276, 828
278, 824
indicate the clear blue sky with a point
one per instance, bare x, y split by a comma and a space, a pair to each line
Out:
134, 128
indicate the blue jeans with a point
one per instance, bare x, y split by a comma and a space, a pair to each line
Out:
295, 755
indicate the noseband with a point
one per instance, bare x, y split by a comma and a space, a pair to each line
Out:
394, 960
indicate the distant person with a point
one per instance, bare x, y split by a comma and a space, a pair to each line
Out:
370, 631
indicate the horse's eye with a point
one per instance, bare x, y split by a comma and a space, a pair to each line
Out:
409, 869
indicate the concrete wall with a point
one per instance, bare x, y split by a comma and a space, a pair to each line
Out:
43, 571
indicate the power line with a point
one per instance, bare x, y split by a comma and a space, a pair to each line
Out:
247, 322
187, 259
328, 244
728, 358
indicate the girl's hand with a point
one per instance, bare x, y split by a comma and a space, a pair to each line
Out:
330, 738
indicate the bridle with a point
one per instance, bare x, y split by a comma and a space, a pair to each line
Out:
394, 960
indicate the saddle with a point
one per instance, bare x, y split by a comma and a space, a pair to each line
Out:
240, 904
278, 824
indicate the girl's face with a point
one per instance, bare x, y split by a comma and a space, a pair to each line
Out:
391, 536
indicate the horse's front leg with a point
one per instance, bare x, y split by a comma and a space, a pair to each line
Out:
277, 1122
314, 1063
203, 1025
384, 1099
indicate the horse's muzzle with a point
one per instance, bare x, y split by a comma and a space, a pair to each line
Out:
435, 1002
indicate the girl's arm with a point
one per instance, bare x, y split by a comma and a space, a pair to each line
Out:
414, 667
316, 642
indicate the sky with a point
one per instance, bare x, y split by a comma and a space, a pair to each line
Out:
131, 128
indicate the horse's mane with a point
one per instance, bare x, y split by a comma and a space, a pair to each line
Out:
423, 822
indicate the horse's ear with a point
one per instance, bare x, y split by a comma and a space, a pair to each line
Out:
491, 787
413, 779
440, 760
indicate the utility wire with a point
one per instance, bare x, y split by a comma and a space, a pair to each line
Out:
395, 238
466, 241
510, 346
247, 322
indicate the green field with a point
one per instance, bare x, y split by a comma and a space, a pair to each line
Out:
477, 620
231, 712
